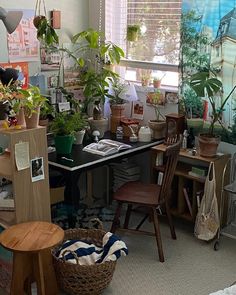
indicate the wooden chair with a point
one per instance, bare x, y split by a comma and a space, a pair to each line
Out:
150, 196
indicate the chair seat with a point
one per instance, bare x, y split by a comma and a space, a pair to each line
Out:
138, 193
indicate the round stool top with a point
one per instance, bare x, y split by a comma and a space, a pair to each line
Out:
31, 236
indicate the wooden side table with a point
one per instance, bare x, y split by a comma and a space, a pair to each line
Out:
31, 243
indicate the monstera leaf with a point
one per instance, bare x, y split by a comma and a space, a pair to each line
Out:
204, 85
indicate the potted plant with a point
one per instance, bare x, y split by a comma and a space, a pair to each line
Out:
133, 32
207, 86
158, 125
45, 32
46, 110
32, 102
80, 125
94, 74
63, 129
145, 79
117, 102
157, 80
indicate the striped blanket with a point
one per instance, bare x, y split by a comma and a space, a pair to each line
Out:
88, 253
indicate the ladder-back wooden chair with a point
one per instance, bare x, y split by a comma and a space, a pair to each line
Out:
151, 196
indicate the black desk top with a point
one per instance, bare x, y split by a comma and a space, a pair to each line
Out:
85, 160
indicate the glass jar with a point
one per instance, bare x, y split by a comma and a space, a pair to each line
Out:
119, 132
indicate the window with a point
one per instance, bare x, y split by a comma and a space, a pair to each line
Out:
157, 45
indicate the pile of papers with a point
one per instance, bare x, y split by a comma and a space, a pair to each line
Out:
124, 172
6, 197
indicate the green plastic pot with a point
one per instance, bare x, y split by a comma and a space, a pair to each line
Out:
63, 144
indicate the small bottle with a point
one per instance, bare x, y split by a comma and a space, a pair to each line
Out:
119, 132
184, 142
190, 139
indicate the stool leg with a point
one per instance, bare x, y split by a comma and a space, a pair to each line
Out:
44, 273
22, 270
38, 273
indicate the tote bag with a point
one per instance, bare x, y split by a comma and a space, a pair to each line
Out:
207, 221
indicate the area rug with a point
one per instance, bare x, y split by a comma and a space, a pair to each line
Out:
67, 217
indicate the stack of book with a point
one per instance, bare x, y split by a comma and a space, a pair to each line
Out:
124, 172
200, 172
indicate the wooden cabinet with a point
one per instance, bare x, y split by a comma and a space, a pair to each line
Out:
31, 199
193, 184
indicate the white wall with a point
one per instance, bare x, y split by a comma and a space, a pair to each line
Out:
74, 18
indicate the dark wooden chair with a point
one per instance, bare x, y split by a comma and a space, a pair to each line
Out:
150, 196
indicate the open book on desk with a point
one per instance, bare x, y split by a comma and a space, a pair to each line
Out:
106, 147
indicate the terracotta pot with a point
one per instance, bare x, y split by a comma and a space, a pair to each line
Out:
208, 145
37, 19
156, 83
20, 116
33, 121
158, 128
117, 114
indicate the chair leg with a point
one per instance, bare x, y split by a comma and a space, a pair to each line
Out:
171, 224
158, 234
127, 216
116, 220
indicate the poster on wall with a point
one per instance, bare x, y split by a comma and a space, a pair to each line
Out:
23, 44
22, 67
214, 24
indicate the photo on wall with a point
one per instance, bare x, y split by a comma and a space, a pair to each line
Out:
37, 169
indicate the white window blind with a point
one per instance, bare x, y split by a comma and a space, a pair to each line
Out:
160, 28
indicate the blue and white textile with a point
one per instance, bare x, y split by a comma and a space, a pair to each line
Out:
88, 253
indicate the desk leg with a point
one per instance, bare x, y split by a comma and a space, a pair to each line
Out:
72, 195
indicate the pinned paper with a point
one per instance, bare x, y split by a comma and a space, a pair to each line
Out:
22, 155
63, 106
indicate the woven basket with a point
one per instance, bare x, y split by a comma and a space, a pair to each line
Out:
77, 279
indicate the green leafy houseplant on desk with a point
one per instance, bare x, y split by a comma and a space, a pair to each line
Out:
207, 86
63, 129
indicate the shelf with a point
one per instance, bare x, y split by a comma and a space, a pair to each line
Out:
183, 169
185, 215
5, 167
7, 218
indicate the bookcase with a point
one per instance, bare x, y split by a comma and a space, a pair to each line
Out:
187, 189
31, 199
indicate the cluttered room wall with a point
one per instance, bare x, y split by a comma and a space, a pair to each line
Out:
74, 18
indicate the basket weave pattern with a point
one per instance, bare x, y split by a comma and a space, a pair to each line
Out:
83, 279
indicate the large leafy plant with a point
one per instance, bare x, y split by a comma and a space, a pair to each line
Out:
208, 86
94, 53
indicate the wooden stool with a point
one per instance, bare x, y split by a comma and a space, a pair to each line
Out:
31, 243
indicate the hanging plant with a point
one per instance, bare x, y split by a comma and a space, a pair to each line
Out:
133, 32
45, 32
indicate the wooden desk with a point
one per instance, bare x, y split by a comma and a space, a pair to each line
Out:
192, 183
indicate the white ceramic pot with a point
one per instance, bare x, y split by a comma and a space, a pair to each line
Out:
100, 125
79, 136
